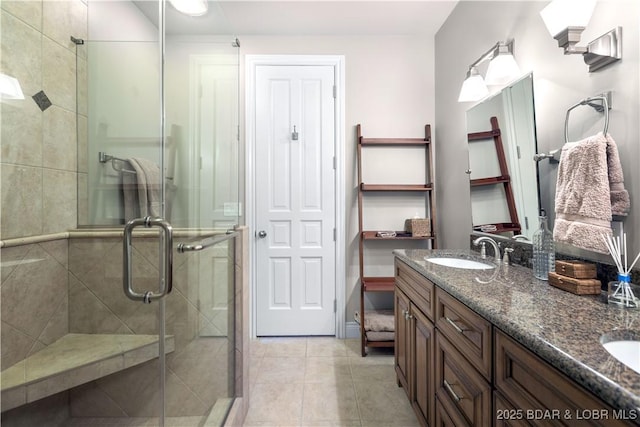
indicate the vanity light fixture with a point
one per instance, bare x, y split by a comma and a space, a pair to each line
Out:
566, 20
502, 69
190, 7
473, 87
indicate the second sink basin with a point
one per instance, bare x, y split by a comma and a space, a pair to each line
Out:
466, 264
626, 351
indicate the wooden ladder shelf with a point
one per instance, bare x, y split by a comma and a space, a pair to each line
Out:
504, 179
423, 190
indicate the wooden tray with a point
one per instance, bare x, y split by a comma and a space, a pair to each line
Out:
576, 269
575, 286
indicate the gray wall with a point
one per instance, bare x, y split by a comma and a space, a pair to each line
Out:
559, 82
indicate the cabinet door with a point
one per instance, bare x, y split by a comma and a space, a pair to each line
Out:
402, 339
422, 355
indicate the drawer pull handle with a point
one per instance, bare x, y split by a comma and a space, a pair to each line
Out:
456, 327
451, 392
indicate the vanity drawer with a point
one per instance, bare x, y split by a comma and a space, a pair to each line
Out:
470, 333
460, 387
418, 288
535, 387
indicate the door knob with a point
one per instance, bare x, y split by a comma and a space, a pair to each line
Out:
468, 171
262, 234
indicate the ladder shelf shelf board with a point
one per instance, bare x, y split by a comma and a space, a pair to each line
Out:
393, 141
378, 284
400, 235
502, 227
422, 194
396, 187
490, 181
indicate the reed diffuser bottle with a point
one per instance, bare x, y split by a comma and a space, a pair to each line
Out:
544, 254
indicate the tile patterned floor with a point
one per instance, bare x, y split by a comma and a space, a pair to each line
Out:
308, 382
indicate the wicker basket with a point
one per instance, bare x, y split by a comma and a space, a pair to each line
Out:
418, 227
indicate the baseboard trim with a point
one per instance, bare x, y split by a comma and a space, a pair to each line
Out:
353, 330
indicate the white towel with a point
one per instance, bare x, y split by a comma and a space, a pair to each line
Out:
149, 186
583, 202
620, 202
130, 194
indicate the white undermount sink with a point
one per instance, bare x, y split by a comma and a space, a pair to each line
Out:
626, 351
466, 264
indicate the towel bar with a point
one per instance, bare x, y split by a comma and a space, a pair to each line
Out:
603, 107
116, 163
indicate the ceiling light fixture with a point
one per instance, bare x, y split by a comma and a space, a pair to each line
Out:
567, 19
190, 7
502, 70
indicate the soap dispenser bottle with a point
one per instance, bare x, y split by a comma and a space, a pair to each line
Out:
544, 254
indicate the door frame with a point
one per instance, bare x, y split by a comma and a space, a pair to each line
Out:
337, 62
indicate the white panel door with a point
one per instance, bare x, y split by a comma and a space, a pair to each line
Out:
215, 133
217, 137
295, 200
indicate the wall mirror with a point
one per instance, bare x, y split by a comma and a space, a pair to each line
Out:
502, 172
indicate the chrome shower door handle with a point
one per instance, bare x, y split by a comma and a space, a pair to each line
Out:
166, 243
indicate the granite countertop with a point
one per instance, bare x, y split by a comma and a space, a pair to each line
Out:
562, 328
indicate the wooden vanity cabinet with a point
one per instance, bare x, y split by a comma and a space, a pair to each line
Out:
543, 394
460, 370
415, 342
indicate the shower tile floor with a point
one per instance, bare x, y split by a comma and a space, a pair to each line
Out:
309, 382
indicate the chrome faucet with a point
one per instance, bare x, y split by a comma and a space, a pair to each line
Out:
496, 249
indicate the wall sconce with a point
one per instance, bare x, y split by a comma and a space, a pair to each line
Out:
10, 88
190, 7
567, 19
502, 69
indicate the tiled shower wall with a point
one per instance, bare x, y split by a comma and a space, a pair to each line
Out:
40, 162
39, 171
39, 307
34, 298
198, 368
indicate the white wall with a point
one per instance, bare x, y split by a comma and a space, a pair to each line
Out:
559, 82
389, 91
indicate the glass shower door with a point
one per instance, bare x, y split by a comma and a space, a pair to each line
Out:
121, 178
165, 106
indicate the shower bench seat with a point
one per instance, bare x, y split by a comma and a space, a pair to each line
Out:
73, 360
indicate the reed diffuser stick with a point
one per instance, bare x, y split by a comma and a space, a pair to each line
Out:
623, 294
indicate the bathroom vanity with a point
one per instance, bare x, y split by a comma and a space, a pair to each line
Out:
499, 347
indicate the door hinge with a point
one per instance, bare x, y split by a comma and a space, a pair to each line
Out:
518, 150
335, 232
335, 91
238, 133
335, 306
335, 163
526, 222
